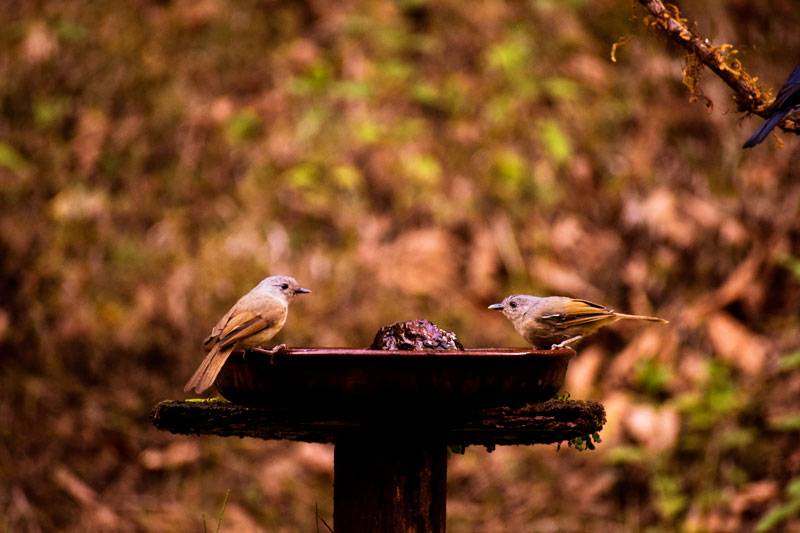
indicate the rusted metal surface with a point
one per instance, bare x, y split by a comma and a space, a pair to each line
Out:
426, 380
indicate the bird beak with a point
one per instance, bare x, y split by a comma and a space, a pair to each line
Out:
301, 290
498, 307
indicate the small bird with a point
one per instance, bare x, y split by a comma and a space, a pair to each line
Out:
257, 317
788, 99
556, 321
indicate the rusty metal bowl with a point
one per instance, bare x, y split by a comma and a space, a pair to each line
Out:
398, 380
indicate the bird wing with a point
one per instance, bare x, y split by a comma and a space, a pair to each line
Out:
236, 325
217, 330
242, 324
579, 312
792, 90
239, 327
789, 89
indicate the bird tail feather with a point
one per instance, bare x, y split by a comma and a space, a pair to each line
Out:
205, 375
642, 317
761, 133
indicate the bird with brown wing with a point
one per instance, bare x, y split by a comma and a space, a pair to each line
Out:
253, 320
556, 321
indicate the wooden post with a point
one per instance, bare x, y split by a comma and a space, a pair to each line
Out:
387, 480
394, 480
386, 485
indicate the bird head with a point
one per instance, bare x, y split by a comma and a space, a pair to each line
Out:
285, 286
515, 306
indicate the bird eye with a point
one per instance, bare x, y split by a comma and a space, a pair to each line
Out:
284, 286
512, 304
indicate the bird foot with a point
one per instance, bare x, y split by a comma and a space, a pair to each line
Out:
281, 348
564, 344
271, 352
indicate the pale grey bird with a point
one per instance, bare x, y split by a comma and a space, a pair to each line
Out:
556, 321
257, 317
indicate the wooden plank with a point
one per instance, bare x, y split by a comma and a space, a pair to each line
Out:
551, 421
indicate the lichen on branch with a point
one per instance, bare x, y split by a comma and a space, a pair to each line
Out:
747, 93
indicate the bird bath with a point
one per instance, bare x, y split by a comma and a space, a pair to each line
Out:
391, 416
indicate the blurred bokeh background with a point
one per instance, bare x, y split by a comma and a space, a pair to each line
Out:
407, 159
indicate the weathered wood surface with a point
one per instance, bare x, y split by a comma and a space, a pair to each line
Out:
542, 423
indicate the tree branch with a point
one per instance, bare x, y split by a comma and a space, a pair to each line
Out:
746, 92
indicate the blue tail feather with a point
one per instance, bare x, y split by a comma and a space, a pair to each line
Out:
762, 132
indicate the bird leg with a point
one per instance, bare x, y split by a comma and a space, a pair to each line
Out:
281, 348
271, 352
563, 344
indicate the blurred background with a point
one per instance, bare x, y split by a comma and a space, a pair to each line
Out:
403, 160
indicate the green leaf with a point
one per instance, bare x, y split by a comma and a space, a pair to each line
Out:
244, 125
556, 142
789, 361
347, 177
790, 263
511, 171
423, 169
670, 497
652, 375
71, 31
626, 454
12, 160
561, 88
425, 93
778, 515
793, 488
789, 422
46, 112
510, 55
